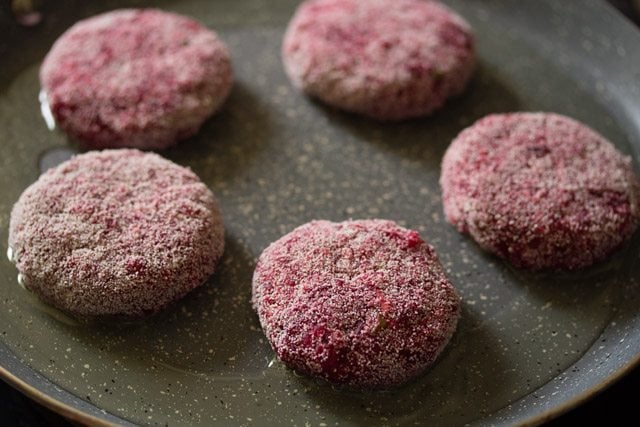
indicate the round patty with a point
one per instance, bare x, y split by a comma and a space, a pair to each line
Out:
363, 303
135, 78
117, 233
387, 59
540, 190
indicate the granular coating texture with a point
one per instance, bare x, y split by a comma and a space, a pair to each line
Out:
540, 190
387, 59
135, 78
363, 303
115, 234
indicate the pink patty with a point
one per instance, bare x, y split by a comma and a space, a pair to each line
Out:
135, 78
388, 59
115, 233
364, 303
541, 190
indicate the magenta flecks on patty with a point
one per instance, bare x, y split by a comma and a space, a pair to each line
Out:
117, 233
364, 303
135, 78
540, 190
387, 59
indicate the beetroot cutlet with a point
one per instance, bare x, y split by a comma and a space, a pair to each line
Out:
540, 190
117, 233
387, 59
362, 303
135, 78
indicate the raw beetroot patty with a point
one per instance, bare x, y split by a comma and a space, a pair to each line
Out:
117, 233
387, 59
540, 190
364, 303
135, 78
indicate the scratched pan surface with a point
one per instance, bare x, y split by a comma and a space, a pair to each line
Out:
528, 347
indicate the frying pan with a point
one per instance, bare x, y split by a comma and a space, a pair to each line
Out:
528, 347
